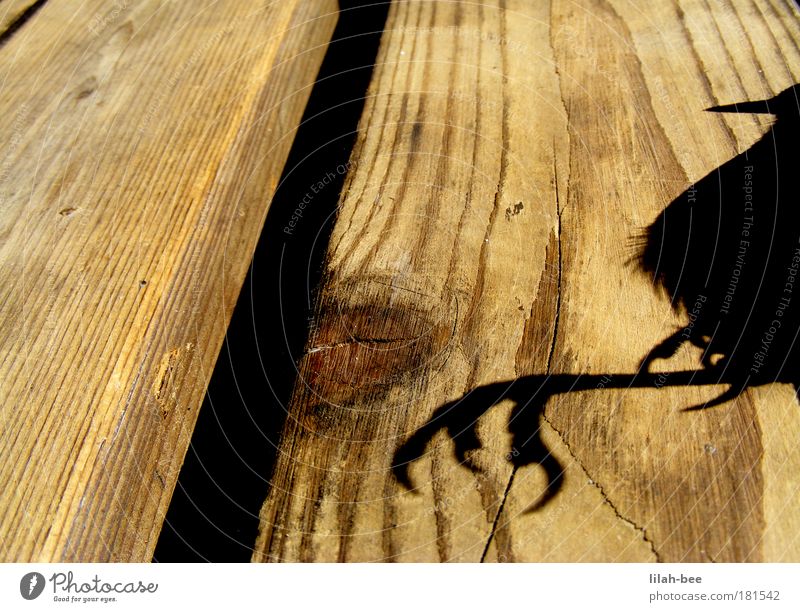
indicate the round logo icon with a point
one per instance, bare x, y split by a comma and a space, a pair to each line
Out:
31, 585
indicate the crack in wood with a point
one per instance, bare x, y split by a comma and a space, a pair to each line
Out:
559, 212
599, 487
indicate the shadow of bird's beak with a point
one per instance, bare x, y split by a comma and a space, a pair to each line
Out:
759, 106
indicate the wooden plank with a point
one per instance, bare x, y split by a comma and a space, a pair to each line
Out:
14, 13
508, 154
145, 140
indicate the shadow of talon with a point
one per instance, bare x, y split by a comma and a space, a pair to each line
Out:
460, 419
530, 395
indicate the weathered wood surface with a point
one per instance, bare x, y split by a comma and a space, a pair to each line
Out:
13, 14
142, 142
508, 153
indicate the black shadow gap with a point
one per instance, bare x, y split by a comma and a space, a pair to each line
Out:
20, 20
213, 515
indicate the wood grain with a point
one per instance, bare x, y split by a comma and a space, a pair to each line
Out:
509, 154
14, 13
143, 142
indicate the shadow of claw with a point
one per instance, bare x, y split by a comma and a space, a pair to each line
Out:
734, 391
530, 395
460, 417
528, 448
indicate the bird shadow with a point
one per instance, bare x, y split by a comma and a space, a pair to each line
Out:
726, 253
